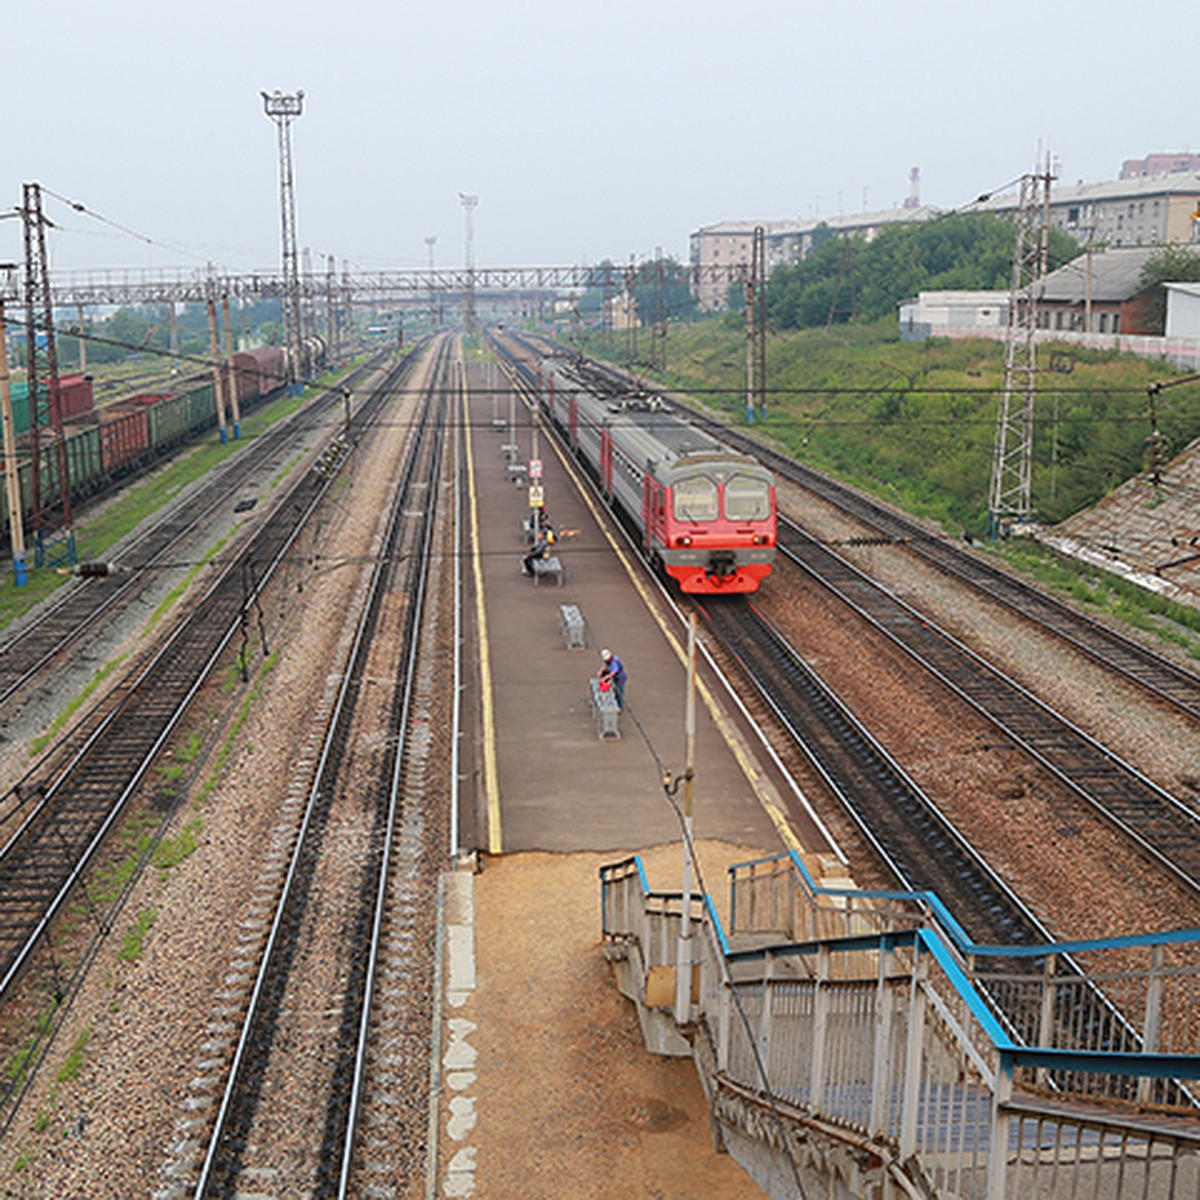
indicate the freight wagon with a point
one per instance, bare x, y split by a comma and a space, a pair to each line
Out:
125, 437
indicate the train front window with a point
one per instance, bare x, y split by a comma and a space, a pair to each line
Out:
747, 498
695, 499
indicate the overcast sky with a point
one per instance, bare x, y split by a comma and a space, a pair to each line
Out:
588, 131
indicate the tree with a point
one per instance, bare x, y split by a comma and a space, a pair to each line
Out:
1172, 264
850, 279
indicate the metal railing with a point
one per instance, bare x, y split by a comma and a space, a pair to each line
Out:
871, 1023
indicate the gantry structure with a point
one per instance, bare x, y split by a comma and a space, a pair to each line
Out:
128, 287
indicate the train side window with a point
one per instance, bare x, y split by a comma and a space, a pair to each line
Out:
695, 499
747, 498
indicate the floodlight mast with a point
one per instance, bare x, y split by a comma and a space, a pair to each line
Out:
469, 203
283, 109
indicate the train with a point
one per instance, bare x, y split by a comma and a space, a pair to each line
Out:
120, 440
704, 513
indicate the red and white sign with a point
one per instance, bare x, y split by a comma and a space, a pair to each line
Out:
535, 468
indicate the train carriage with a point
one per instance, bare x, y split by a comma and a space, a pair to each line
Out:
705, 513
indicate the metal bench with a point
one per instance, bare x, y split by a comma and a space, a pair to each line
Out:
548, 566
510, 450
573, 628
516, 472
605, 709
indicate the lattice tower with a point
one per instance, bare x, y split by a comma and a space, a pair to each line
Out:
1010, 497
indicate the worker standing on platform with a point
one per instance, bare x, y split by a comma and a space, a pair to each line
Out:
614, 671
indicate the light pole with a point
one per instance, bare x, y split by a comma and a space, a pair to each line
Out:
283, 110
469, 203
430, 242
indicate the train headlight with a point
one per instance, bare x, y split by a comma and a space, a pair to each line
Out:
683, 541
761, 539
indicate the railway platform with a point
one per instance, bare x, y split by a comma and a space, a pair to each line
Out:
544, 1085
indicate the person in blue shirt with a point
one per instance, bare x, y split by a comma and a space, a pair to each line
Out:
614, 670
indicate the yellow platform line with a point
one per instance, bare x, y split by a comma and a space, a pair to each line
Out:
491, 773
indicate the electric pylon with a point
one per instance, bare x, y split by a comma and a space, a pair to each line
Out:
1010, 495
54, 536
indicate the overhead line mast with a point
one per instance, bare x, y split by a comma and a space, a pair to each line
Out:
53, 532
1010, 495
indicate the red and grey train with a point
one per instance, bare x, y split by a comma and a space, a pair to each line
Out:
702, 511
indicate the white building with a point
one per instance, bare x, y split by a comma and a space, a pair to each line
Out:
1183, 310
955, 313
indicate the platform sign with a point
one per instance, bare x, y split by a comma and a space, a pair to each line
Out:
535, 468
536, 495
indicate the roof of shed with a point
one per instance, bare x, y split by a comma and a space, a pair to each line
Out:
1115, 275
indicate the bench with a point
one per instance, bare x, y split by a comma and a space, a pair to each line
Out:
510, 450
548, 566
498, 422
605, 709
516, 472
573, 628
527, 530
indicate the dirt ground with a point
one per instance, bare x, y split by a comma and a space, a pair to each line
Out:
570, 1104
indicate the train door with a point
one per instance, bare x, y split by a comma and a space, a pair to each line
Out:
606, 462
654, 511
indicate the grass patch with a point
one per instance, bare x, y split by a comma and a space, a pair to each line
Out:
172, 851
39, 743
135, 936
1165, 620
73, 1065
190, 750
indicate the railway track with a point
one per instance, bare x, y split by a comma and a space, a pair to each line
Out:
357, 888
82, 605
67, 811
1167, 681
1163, 830
920, 846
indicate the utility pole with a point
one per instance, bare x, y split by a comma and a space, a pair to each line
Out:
756, 327
1010, 496
331, 307
469, 203
283, 110
684, 954
12, 479
214, 347
658, 355
52, 527
231, 383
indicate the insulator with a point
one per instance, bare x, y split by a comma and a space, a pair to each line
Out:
95, 570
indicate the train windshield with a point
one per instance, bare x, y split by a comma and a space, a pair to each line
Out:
695, 499
747, 498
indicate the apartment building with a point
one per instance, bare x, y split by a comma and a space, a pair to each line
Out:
721, 253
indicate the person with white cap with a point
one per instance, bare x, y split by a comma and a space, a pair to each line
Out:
613, 671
